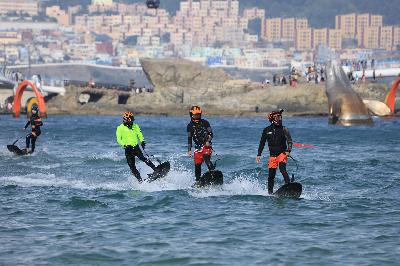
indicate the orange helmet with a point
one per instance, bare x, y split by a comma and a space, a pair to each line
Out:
195, 113
128, 117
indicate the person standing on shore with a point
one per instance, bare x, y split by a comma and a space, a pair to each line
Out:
279, 144
128, 136
36, 122
200, 132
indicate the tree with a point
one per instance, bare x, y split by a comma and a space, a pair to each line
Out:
131, 40
166, 37
254, 26
218, 44
102, 38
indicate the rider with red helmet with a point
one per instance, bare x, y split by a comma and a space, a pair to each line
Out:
200, 132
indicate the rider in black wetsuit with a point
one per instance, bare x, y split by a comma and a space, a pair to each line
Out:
36, 122
199, 131
279, 144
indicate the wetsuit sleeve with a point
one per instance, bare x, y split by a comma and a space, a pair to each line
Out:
209, 131
119, 136
288, 139
190, 136
27, 124
262, 143
139, 133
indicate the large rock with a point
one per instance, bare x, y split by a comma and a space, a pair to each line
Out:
165, 73
182, 83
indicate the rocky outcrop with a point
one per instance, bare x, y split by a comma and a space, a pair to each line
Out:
181, 83
165, 73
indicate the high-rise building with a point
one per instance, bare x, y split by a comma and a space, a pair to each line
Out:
347, 24
335, 39
396, 37
288, 28
273, 29
386, 40
276, 29
301, 23
303, 39
363, 21
30, 7
352, 25
376, 21
252, 13
369, 38
319, 37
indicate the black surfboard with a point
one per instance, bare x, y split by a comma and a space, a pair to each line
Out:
211, 178
160, 172
17, 151
291, 190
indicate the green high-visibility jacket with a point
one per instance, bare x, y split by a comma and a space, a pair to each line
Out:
129, 136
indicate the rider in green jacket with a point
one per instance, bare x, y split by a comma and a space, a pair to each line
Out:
128, 136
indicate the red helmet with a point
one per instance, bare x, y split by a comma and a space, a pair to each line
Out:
274, 114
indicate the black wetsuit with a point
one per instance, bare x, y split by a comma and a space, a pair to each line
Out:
36, 122
130, 154
279, 141
200, 133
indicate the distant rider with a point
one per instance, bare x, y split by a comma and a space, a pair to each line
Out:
128, 136
279, 144
200, 132
36, 122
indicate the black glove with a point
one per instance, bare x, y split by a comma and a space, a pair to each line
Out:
143, 145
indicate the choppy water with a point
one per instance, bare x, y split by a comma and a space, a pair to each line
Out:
75, 202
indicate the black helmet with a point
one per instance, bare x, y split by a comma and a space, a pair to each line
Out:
195, 113
128, 117
272, 117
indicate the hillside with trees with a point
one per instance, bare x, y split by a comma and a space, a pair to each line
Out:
320, 13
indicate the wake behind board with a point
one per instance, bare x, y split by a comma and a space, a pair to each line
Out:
291, 190
160, 172
213, 177
17, 151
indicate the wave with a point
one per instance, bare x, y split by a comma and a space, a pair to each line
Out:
51, 180
78, 202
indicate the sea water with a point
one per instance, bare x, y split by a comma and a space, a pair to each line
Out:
74, 201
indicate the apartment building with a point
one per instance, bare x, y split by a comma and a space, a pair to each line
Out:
335, 39
319, 37
347, 24
63, 18
386, 38
352, 25
20, 6
252, 13
396, 37
276, 29
303, 39
10, 37
369, 38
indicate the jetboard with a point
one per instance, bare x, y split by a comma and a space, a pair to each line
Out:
213, 177
160, 172
17, 151
291, 190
